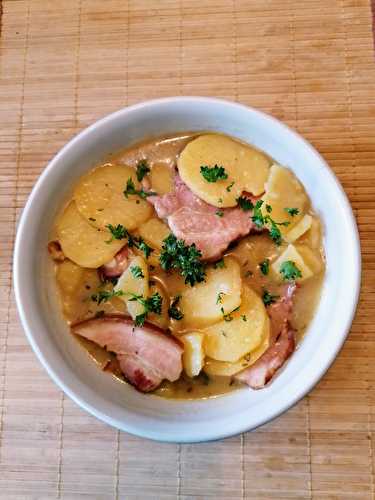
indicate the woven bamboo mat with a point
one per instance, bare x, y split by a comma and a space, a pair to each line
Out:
66, 63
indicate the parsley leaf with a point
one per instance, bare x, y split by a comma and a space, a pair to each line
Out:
219, 299
290, 271
229, 188
220, 264
213, 174
143, 247
176, 254
105, 295
142, 169
151, 304
136, 272
269, 208
130, 189
257, 217
292, 211
173, 311
219, 213
265, 266
243, 317
268, 298
228, 317
245, 204
118, 232
261, 220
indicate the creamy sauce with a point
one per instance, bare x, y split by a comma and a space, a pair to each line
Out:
77, 284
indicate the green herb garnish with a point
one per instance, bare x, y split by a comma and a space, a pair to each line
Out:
130, 189
245, 204
176, 254
118, 232
173, 311
105, 295
213, 174
136, 272
289, 271
219, 213
268, 298
220, 264
229, 188
265, 266
228, 316
151, 304
219, 298
292, 211
261, 220
142, 169
243, 317
143, 247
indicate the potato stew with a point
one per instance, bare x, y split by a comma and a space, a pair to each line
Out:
189, 265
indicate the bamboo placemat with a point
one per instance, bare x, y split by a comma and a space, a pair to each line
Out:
66, 63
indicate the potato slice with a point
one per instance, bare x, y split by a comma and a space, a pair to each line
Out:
160, 320
246, 167
299, 229
231, 340
193, 356
161, 177
313, 237
311, 257
204, 303
291, 254
76, 285
82, 243
154, 231
227, 369
130, 284
283, 190
100, 198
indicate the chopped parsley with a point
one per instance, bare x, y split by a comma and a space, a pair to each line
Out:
142, 169
143, 247
118, 232
229, 188
265, 266
130, 189
261, 220
174, 311
176, 254
220, 264
213, 174
219, 213
151, 304
289, 271
136, 272
105, 295
243, 317
292, 211
219, 299
268, 298
220, 200
245, 204
228, 317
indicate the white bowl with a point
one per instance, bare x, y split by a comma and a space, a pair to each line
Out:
119, 404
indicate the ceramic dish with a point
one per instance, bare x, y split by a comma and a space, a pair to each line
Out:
120, 405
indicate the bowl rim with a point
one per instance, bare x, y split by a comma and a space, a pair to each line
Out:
70, 391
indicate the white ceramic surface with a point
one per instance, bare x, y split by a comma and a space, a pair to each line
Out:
119, 404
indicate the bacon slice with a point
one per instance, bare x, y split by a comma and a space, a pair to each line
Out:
116, 266
282, 342
195, 221
258, 374
145, 354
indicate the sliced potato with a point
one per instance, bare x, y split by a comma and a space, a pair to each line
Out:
311, 257
161, 320
154, 231
246, 167
227, 369
205, 303
231, 340
313, 236
299, 229
161, 177
82, 243
292, 254
283, 190
193, 356
77, 284
100, 198
130, 284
